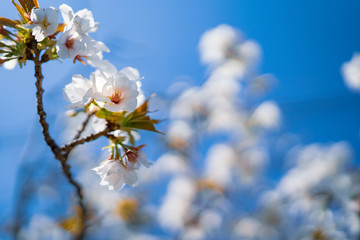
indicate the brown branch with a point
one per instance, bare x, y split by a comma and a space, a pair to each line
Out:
83, 125
40, 107
58, 152
68, 147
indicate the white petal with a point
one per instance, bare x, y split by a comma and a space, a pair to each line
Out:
52, 15
100, 98
143, 159
98, 80
37, 15
67, 13
131, 73
88, 97
130, 176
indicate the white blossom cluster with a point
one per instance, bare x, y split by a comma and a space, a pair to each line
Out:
107, 88
114, 91
74, 42
218, 106
118, 92
316, 199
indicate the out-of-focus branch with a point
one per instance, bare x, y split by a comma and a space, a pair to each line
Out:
83, 125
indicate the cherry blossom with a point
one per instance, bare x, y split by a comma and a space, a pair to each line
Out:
217, 44
120, 93
267, 115
93, 53
120, 171
70, 45
44, 22
135, 158
77, 44
177, 202
82, 21
351, 72
79, 92
116, 92
115, 175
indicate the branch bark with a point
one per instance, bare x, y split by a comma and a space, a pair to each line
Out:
60, 153
40, 107
68, 147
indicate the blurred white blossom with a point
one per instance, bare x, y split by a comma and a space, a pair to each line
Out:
267, 115
175, 208
42, 227
351, 72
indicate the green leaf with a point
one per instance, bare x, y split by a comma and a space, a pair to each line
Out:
128, 122
103, 113
139, 120
131, 138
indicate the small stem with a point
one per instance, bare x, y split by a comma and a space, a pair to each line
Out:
117, 152
83, 125
68, 147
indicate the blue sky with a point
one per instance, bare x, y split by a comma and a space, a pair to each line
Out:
304, 44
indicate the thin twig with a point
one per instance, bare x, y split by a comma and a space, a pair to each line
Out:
68, 147
83, 125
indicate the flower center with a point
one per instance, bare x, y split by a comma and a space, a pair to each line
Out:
132, 156
70, 42
116, 98
45, 24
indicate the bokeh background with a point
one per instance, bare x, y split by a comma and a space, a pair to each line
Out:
304, 44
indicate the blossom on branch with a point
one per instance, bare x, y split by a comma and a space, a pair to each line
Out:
44, 22
79, 92
115, 175
135, 158
77, 44
82, 21
70, 45
120, 93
